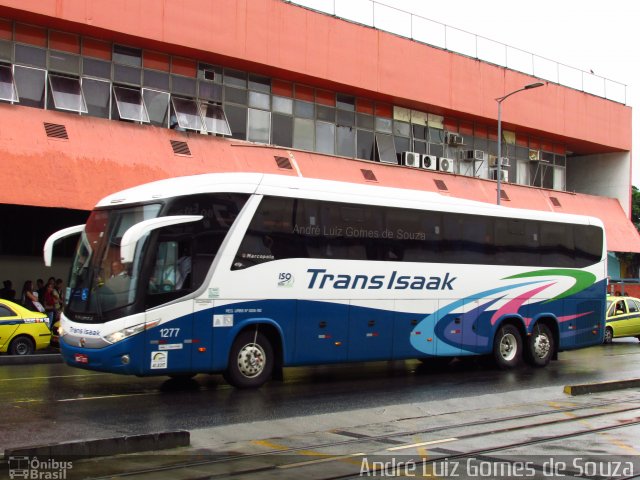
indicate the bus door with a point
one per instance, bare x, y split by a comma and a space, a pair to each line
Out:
371, 330
202, 342
417, 318
170, 338
321, 332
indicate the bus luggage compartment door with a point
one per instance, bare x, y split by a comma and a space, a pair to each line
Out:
321, 332
169, 343
370, 330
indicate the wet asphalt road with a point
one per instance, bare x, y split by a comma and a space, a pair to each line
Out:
54, 403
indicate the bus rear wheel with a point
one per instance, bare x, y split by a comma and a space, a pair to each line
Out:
250, 360
608, 335
540, 346
507, 347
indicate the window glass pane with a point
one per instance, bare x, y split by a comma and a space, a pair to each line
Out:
365, 121
325, 137
187, 114
214, 119
383, 124
156, 79
259, 100
235, 78
303, 109
436, 135
345, 118
97, 94
386, 149
559, 178
346, 141
27, 55
210, 91
259, 123
346, 102
6, 48
282, 130
260, 84
130, 104
127, 55
235, 95
419, 131
183, 85
365, 145
67, 94
282, 105
303, 133
402, 145
7, 88
209, 72
64, 62
30, 83
419, 147
237, 117
561, 160
436, 149
327, 114
157, 104
125, 74
401, 128
96, 68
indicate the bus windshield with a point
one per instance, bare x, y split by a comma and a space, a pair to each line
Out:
99, 282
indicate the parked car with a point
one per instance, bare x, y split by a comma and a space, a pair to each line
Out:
623, 318
22, 331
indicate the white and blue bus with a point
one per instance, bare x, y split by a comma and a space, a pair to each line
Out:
242, 273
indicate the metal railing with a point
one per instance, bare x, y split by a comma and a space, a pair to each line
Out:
406, 24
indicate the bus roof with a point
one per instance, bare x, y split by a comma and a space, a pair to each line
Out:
328, 190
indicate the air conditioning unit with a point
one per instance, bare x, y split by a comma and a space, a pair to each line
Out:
411, 159
504, 175
429, 162
534, 156
472, 155
493, 161
454, 139
445, 164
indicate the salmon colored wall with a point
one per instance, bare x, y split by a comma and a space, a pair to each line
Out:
272, 36
103, 156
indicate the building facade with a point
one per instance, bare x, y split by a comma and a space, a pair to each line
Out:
100, 96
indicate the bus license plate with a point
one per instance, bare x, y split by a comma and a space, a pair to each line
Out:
81, 358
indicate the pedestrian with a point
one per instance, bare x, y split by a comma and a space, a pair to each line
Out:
28, 299
8, 293
49, 302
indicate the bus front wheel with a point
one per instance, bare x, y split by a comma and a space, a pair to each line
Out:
507, 347
250, 360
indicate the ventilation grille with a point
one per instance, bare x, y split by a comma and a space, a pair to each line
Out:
504, 196
441, 185
555, 202
369, 175
180, 148
55, 130
284, 163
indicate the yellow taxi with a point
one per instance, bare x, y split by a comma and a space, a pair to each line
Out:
623, 318
22, 331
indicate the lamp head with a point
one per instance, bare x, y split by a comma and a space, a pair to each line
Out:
533, 85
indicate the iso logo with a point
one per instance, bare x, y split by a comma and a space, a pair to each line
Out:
285, 280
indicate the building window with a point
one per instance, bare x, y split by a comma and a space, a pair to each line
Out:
130, 104
127, 56
7, 87
237, 116
187, 116
157, 104
97, 94
67, 94
215, 121
303, 134
282, 130
30, 84
325, 137
259, 126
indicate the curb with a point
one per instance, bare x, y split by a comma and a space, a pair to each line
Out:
30, 359
106, 446
587, 388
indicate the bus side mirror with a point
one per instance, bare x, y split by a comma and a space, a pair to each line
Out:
47, 251
139, 230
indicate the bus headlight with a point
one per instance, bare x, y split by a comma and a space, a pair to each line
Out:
124, 333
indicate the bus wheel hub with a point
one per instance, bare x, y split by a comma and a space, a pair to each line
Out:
251, 360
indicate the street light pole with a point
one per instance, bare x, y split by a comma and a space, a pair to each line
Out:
500, 100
